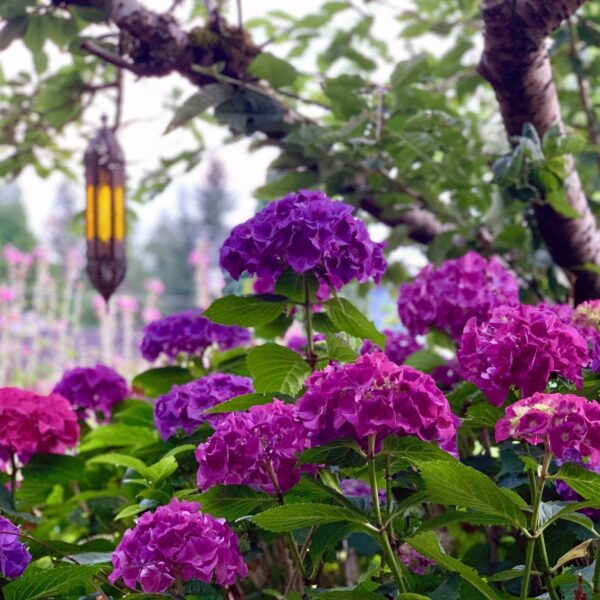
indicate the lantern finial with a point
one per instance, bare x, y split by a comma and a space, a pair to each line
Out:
105, 211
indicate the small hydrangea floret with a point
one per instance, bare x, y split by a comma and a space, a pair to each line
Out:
92, 390
305, 231
520, 347
374, 396
399, 345
189, 334
14, 556
566, 425
447, 296
33, 424
174, 542
183, 407
257, 448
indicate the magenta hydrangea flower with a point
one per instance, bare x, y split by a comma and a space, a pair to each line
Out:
567, 425
182, 408
520, 347
14, 556
374, 396
398, 346
32, 424
257, 448
92, 390
190, 334
177, 540
305, 231
446, 297
414, 561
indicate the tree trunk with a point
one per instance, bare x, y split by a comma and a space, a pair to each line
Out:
516, 63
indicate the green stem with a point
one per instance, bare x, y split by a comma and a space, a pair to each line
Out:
537, 491
546, 567
310, 343
596, 580
388, 552
13, 480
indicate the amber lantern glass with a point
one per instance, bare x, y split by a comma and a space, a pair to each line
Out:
105, 212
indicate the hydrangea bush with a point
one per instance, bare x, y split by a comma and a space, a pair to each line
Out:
315, 456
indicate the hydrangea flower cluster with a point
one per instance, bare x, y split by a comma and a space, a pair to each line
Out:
177, 540
416, 563
189, 333
374, 396
446, 297
398, 346
305, 231
92, 390
32, 424
182, 408
568, 425
587, 315
14, 556
257, 448
520, 346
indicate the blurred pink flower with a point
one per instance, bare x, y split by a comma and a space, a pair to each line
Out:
7, 295
155, 286
127, 304
150, 313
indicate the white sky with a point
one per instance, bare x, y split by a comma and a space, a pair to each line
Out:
146, 116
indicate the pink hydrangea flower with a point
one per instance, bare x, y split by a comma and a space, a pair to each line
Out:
257, 448
127, 304
7, 295
32, 424
374, 396
155, 286
520, 347
177, 541
446, 297
567, 425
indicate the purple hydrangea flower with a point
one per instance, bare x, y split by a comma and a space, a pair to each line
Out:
398, 346
357, 488
92, 389
447, 376
566, 424
374, 396
177, 540
189, 333
305, 231
182, 408
14, 556
446, 297
520, 346
257, 448
415, 562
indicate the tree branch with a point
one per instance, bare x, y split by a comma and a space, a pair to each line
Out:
516, 63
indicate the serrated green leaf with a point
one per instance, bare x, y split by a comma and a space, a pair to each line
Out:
155, 382
243, 402
344, 452
323, 324
414, 450
276, 71
121, 460
294, 286
424, 360
275, 368
339, 351
428, 545
234, 501
584, 482
48, 469
454, 484
246, 311
345, 316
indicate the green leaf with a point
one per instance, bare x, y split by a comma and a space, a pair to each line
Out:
297, 516
323, 324
483, 414
344, 452
584, 482
414, 450
452, 483
48, 469
428, 545
246, 311
424, 360
339, 351
348, 318
290, 182
277, 369
357, 594
117, 435
243, 402
209, 95
410, 70
162, 469
121, 460
234, 501
12, 30
327, 537
277, 72
550, 512
50, 583
155, 382
292, 286
557, 199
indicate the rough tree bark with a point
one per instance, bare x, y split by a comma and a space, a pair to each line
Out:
516, 63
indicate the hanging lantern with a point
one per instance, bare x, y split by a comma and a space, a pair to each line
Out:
105, 212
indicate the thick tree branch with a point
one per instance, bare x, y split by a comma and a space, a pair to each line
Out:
515, 61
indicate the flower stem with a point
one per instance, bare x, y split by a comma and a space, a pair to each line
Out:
537, 490
13, 480
596, 579
388, 552
310, 343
